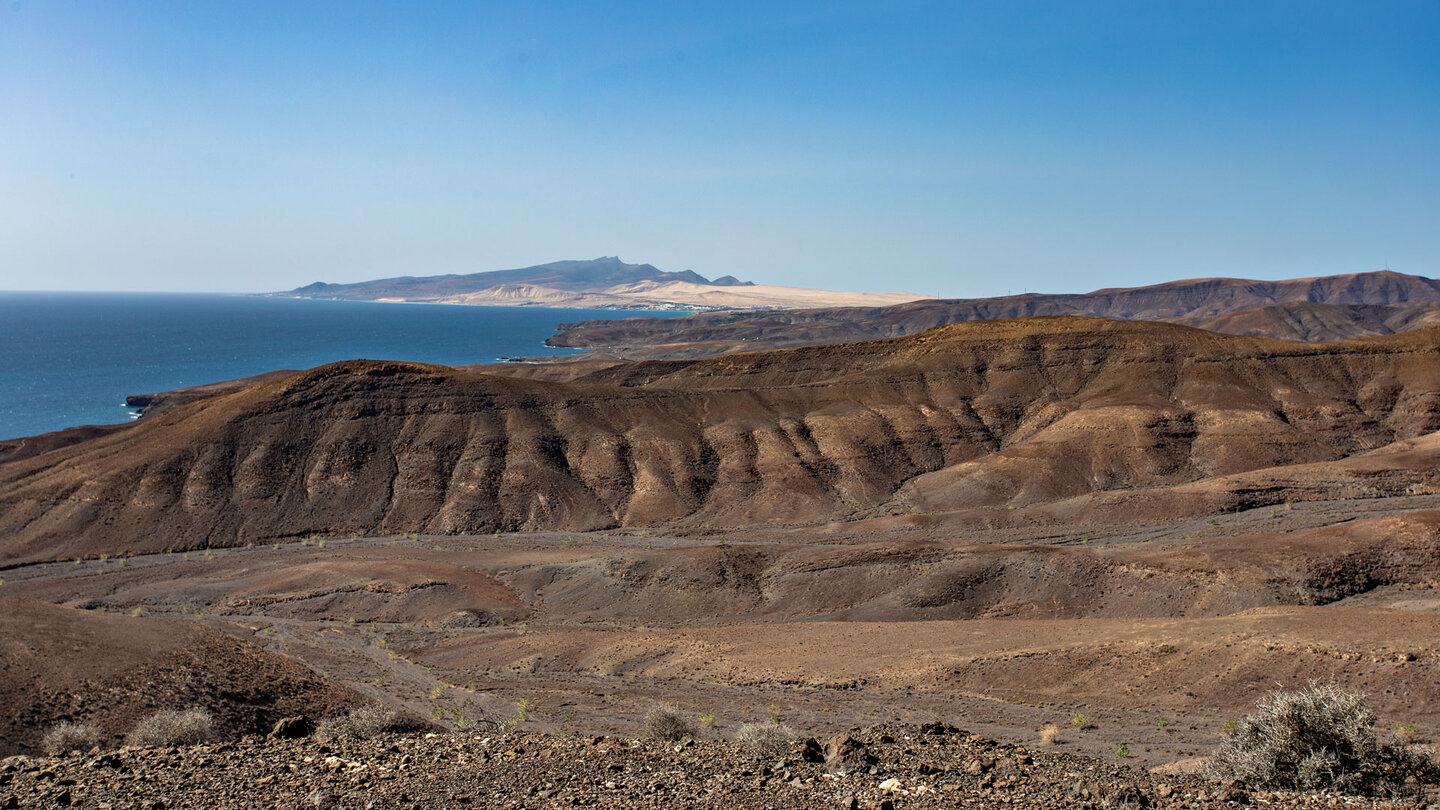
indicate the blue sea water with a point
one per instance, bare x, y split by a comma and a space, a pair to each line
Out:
70, 359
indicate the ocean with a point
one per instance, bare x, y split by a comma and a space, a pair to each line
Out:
70, 359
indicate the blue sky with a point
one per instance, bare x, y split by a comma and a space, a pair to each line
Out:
956, 149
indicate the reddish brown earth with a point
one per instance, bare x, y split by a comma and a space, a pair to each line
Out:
1003, 414
1314, 309
60, 663
998, 525
1320, 322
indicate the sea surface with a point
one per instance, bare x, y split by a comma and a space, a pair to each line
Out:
70, 359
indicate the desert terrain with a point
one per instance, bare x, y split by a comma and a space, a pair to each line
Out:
1327, 308
1130, 531
603, 283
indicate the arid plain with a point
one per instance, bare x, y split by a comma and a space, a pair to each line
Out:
1127, 530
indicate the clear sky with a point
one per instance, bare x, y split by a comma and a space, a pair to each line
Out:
951, 148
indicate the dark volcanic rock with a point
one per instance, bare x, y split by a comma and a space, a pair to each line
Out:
292, 727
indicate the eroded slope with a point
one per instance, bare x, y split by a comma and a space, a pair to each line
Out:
1005, 413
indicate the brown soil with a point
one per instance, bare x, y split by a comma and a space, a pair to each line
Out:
1002, 526
60, 664
1158, 636
985, 415
1318, 309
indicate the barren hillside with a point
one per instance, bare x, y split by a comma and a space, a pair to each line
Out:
995, 414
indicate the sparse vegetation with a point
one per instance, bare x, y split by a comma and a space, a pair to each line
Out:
666, 725
172, 728
1122, 751
1228, 727
1319, 737
708, 719
1404, 732
68, 737
1079, 721
765, 739
1049, 734
361, 723
522, 713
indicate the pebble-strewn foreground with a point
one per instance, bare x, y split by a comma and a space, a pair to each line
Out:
883, 767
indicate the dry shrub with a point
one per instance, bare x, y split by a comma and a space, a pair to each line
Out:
172, 728
765, 739
666, 725
1320, 737
361, 723
68, 737
1049, 734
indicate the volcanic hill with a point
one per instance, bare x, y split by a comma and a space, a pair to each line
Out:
969, 416
1313, 309
603, 283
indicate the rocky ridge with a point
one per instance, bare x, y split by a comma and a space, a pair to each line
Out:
978, 410
1312, 309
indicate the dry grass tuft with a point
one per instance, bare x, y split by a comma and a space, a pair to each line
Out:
360, 723
1317, 738
68, 737
766, 739
168, 728
1049, 734
666, 725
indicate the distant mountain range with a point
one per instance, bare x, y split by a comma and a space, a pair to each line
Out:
1310, 309
604, 283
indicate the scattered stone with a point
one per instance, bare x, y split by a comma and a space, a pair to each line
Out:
1234, 793
920, 772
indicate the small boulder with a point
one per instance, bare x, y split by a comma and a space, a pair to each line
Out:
812, 751
291, 728
844, 754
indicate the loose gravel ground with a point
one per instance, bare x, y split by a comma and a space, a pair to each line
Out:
887, 766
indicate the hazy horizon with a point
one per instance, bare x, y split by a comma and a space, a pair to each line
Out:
952, 151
